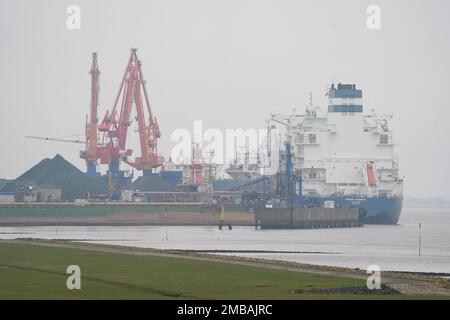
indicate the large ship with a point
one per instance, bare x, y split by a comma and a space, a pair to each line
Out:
346, 157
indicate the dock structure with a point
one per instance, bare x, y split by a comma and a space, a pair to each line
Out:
307, 218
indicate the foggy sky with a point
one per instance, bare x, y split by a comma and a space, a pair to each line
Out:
229, 64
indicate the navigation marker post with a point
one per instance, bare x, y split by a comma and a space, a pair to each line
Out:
420, 238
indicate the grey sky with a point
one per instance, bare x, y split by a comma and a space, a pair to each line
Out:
230, 64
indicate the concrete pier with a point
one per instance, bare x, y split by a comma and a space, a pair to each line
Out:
307, 218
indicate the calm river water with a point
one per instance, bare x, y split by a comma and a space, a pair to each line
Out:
390, 247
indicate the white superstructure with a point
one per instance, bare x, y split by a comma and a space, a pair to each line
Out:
344, 151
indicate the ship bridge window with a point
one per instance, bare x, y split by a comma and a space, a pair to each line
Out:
313, 175
312, 138
384, 138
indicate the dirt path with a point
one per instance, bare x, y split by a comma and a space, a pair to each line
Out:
406, 283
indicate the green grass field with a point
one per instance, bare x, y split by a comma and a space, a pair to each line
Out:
37, 272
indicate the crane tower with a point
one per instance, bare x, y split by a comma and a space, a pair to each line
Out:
90, 154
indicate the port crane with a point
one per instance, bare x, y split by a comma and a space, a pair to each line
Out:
115, 124
106, 141
92, 151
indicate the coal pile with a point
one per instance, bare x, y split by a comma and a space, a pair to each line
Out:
61, 174
3, 183
151, 183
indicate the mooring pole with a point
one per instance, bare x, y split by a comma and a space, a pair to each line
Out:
56, 219
165, 218
420, 237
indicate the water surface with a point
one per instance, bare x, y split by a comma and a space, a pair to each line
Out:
390, 247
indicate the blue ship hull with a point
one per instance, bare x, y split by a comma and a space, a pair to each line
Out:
374, 210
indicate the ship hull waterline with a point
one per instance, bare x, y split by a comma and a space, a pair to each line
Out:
375, 210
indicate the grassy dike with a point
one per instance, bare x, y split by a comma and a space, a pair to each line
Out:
38, 272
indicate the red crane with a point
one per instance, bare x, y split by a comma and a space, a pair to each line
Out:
115, 124
91, 152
